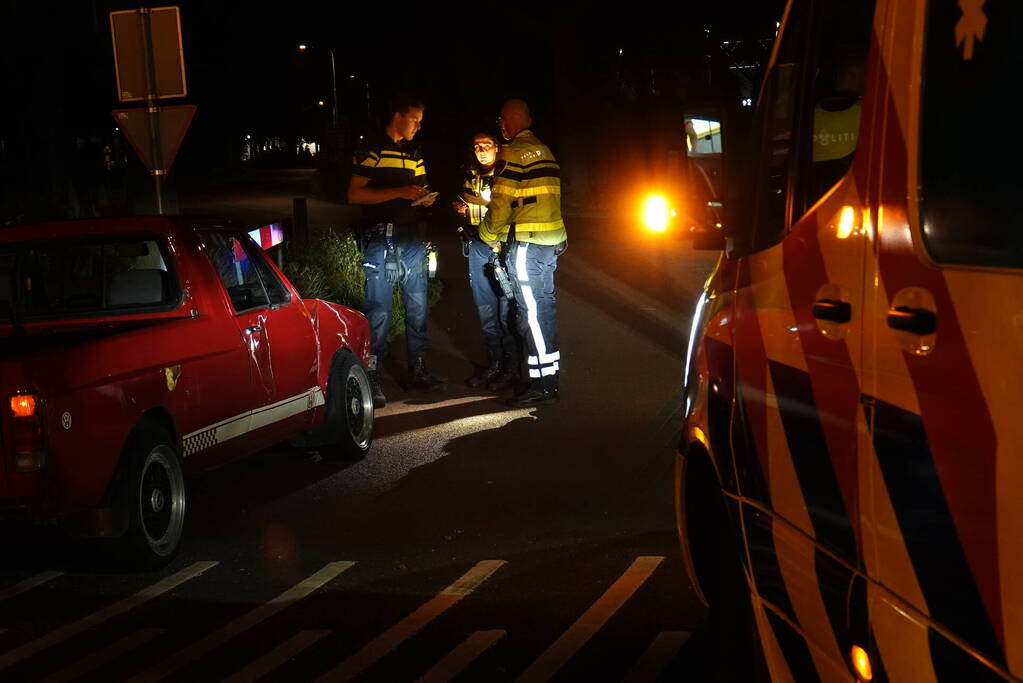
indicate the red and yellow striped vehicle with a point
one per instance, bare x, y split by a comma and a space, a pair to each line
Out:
852, 453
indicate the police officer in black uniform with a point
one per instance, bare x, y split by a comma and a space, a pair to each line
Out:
496, 307
389, 179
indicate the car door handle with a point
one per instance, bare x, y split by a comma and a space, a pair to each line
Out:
914, 320
254, 328
832, 309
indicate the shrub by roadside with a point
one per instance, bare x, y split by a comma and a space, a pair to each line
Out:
329, 267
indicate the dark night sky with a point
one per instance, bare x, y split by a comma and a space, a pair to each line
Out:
246, 76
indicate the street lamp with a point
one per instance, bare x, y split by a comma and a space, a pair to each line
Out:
333, 81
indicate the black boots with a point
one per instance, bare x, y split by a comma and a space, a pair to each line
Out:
484, 377
379, 400
421, 378
540, 392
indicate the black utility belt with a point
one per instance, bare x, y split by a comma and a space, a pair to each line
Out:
399, 232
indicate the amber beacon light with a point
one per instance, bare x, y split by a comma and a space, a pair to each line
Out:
23, 405
655, 213
861, 663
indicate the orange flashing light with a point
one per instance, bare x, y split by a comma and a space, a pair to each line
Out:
846, 222
861, 663
655, 213
23, 405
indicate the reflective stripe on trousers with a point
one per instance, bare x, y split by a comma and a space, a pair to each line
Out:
533, 266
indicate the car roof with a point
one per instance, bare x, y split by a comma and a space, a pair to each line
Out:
163, 225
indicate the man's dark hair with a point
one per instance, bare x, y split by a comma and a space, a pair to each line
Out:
402, 102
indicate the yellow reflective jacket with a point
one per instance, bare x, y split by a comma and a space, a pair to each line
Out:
526, 194
476, 193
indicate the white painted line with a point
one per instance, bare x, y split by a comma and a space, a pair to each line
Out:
664, 648
461, 657
390, 639
95, 619
577, 635
212, 641
273, 660
28, 584
90, 663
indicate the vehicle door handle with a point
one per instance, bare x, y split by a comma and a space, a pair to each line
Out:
254, 328
832, 309
914, 320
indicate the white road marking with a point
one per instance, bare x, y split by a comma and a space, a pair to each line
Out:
393, 637
212, 641
273, 660
577, 635
28, 584
58, 636
461, 657
664, 648
90, 663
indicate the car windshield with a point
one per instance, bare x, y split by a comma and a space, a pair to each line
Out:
76, 278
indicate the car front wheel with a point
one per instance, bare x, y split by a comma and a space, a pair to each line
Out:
350, 407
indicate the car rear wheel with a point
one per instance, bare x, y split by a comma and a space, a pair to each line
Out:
350, 407
152, 496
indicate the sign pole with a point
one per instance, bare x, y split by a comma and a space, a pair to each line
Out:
153, 111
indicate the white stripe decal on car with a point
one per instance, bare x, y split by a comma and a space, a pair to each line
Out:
239, 425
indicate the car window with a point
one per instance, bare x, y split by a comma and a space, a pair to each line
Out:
776, 120
74, 277
843, 42
237, 270
275, 289
969, 152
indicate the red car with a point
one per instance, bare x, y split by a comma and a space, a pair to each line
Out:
136, 350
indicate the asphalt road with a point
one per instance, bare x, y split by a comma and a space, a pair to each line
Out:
476, 542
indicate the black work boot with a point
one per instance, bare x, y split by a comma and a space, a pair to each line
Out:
507, 378
421, 378
484, 376
539, 392
379, 400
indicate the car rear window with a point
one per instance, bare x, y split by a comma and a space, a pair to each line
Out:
75, 278
971, 152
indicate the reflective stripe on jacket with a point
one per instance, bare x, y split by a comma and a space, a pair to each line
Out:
476, 192
527, 194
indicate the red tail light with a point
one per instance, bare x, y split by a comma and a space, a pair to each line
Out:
27, 432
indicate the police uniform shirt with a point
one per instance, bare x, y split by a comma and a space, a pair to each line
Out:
388, 164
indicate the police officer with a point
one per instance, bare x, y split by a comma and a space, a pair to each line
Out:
496, 309
525, 212
387, 178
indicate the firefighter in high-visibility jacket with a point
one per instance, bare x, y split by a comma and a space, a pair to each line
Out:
525, 212
487, 278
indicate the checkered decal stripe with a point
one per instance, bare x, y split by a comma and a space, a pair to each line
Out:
200, 442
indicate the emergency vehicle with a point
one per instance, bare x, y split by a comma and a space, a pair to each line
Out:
850, 470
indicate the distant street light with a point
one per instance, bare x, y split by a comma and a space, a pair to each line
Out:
333, 81
320, 103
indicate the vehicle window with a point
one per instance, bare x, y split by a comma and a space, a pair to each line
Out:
776, 119
970, 173
843, 42
274, 288
237, 270
62, 278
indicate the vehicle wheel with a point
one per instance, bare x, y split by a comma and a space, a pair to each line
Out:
713, 550
151, 493
350, 407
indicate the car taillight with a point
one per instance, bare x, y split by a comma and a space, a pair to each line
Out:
27, 432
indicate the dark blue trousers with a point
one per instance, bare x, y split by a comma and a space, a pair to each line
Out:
496, 311
533, 266
380, 293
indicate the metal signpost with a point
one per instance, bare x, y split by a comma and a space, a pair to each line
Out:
150, 66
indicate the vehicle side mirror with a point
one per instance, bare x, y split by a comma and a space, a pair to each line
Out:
705, 159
